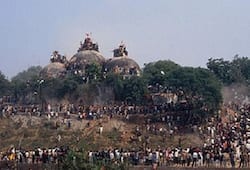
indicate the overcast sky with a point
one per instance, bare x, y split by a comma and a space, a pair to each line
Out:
187, 32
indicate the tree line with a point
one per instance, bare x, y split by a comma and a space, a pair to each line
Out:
201, 87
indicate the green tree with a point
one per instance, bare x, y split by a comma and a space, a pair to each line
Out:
27, 75
19, 91
93, 72
222, 69
156, 72
4, 85
134, 90
79, 160
117, 83
199, 85
242, 68
25, 86
67, 87
235, 71
58, 88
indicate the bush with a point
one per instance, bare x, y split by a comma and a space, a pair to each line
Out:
77, 160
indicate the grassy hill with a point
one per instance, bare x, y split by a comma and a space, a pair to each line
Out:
30, 132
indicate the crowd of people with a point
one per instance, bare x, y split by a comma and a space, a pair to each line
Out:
56, 57
226, 144
38, 155
226, 138
88, 44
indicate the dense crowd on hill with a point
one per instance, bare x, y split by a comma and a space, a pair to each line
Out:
170, 110
226, 143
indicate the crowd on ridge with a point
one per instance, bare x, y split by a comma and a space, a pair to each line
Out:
226, 143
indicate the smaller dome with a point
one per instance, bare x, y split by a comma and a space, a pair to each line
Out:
123, 65
53, 70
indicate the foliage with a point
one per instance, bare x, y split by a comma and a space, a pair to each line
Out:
48, 88
28, 74
115, 81
24, 85
131, 90
193, 82
93, 72
155, 73
75, 77
134, 90
235, 71
198, 85
19, 90
58, 88
77, 160
4, 85
67, 87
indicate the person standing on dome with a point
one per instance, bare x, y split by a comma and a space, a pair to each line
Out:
88, 42
122, 49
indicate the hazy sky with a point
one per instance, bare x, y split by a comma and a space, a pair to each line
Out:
187, 32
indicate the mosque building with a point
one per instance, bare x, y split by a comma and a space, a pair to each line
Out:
87, 54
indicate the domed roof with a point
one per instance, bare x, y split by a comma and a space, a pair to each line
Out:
121, 62
124, 65
87, 57
53, 70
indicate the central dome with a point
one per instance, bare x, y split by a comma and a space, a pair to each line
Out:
80, 60
87, 54
87, 57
